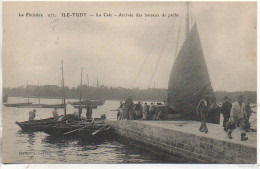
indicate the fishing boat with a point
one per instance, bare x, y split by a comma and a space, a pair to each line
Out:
39, 105
189, 79
20, 104
35, 125
93, 103
83, 129
16, 104
58, 106
38, 125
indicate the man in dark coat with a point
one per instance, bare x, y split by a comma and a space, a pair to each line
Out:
226, 107
202, 111
129, 106
89, 112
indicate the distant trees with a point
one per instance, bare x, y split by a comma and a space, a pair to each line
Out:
108, 93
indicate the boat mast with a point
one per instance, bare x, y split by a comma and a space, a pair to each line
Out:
27, 92
97, 82
88, 80
80, 97
39, 93
63, 92
187, 28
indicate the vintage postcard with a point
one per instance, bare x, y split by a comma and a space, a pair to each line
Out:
129, 82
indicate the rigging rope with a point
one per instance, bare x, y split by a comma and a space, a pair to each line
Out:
177, 45
146, 58
160, 56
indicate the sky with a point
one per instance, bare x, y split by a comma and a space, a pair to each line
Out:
115, 48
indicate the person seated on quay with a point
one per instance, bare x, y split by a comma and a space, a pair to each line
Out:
55, 114
238, 115
32, 115
202, 112
225, 110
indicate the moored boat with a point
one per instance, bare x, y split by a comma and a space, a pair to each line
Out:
93, 103
58, 106
35, 125
38, 125
84, 129
16, 104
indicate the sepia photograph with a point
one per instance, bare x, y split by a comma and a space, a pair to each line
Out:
143, 82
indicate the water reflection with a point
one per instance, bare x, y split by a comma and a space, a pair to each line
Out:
28, 136
38, 147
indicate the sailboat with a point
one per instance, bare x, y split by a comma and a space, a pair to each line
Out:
39, 105
38, 125
20, 104
85, 103
189, 79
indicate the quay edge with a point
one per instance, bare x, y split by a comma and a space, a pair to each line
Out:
182, 139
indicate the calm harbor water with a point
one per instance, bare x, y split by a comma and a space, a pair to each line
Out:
38, 147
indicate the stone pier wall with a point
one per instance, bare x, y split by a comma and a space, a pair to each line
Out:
192, 147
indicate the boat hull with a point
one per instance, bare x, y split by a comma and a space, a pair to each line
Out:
39, 125
35, 125
17, 104
89, 131
58, 106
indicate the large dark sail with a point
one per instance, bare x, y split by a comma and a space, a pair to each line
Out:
189, 79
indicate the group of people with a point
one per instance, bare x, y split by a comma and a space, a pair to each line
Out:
88, 112
140, 111
236, 114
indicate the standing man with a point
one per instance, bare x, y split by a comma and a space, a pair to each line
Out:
151, 111
138, 111
55, 114
129, 106
89, 112
248, 109
145, 110
238, 115
225, 109
80, 111
32, 115
202, 111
